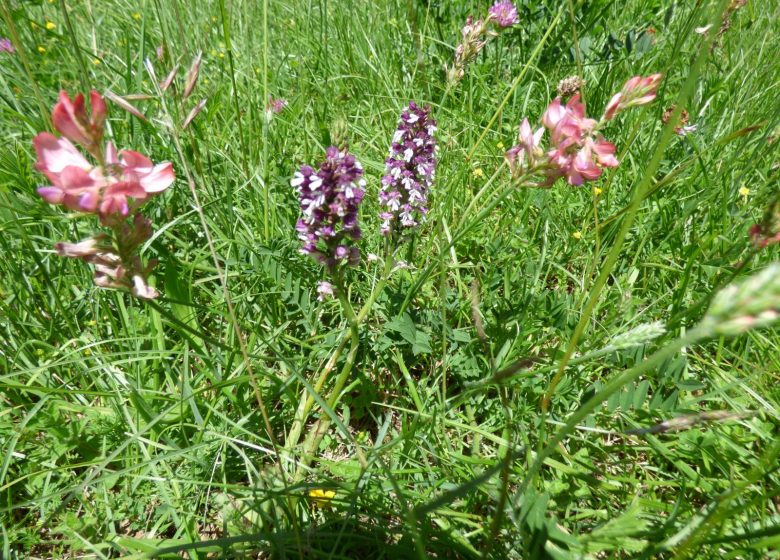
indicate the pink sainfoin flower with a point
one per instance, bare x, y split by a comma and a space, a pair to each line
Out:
112, 190
112, 186
503, 13
636, 91
577, 151
474, 37
6, 45
475, 34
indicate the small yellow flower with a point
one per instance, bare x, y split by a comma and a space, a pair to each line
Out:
221, 55
321, 497
91, 323
478, 172
213, 52
33, 25
597, 191
214, 19
744, 191
96, 61
206, 81
39, 352
577, 235
136, 16
50, 25
41, 49
87, 351
500, 145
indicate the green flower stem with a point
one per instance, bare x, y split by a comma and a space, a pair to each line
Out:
315, 436
307, 401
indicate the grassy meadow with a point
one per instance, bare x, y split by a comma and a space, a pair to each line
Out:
535, 373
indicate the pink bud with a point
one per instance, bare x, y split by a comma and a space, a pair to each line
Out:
71, 120
612, 107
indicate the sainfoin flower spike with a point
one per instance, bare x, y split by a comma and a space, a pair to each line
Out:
113, 186
636, 91
475, 34
577, 151
330, 198
409, 171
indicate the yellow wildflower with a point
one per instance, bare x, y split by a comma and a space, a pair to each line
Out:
577, 235
50, 25
41, 49
221, 55
136, 16
321, 497
478, 172
96, 61
597, 191
744, 191
500, 145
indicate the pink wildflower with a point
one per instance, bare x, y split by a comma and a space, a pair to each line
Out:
276, 105
71, 120
6, 46
527, 152
503, 13
636, 91
113, 188
325, 291
107, 190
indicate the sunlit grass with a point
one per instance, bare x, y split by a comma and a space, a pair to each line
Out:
131, 428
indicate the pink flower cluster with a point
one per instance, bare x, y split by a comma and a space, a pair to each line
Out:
577, 150
113, 187
476, 33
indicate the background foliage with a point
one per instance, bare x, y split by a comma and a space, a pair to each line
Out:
132, 429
